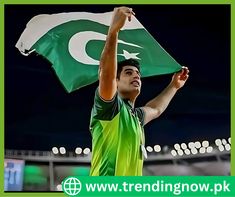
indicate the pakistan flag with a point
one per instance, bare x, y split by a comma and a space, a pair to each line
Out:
73, 43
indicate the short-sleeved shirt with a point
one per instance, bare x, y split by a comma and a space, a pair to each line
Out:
117, 136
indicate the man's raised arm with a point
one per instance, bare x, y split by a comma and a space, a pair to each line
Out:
108, 60
157, 106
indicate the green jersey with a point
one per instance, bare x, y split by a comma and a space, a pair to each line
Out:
117, 138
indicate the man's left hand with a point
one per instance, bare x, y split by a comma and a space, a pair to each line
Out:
179, 78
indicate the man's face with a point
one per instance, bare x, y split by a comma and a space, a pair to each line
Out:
129, 80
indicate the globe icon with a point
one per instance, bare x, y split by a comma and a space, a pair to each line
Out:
71, 186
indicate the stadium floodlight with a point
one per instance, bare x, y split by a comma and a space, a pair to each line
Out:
191, 145
194, 151
177, 147
218, 142
227, 147
180, 152
86, 151
197, 144
157, 148
62, 150
55, 150
229, 140
205, 143
78, 150
209, 149
174, 153
202, 150
183, 146
59, 187
149, 149
224, 141
187, 151
221, 148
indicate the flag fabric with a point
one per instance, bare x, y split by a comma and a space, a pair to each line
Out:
73, 43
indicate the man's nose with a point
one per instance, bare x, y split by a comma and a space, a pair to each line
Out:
137, 76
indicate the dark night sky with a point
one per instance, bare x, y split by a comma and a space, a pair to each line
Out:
39, 114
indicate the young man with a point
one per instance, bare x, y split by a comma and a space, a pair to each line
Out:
116, 126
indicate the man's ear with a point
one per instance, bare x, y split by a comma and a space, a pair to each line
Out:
117, 80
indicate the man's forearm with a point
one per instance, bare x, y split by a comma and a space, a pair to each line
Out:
108, 61
161, 102
157, 106
108, 67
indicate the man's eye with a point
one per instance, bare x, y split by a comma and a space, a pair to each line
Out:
128, 73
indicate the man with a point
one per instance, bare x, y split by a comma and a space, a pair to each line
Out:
116, 126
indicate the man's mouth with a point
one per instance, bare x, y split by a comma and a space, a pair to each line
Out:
135, 83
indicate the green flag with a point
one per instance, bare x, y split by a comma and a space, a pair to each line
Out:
73, 43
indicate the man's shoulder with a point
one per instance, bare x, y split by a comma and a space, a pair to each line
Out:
106, 110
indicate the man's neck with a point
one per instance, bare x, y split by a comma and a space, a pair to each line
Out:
132, 103
131, 100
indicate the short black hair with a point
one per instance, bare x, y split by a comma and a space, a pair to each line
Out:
127, 62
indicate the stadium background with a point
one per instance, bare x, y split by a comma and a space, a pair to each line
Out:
40, 115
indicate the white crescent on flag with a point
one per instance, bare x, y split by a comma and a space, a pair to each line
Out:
78, 42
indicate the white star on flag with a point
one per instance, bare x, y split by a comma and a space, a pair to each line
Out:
128, 55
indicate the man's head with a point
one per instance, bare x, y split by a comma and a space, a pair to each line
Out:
128, 78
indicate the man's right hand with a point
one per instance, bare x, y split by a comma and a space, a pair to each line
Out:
119, 18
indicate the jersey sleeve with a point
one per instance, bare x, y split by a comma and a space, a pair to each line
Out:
106, 110
141, 114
